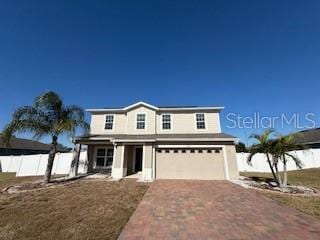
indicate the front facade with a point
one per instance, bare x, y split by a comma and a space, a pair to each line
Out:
160, 142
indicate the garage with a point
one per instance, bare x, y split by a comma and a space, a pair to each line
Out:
195, 163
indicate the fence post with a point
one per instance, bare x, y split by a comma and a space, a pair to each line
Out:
313, 160
57, 157
10, 163
20, 163
244, 162
38, 164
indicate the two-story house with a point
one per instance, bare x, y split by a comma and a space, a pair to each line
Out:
160, 143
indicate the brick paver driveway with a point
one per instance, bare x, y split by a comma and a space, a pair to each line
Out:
214, 210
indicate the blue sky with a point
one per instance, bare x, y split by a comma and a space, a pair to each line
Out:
248, 56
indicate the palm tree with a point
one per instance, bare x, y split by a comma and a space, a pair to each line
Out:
280, 151
263, 146
47, 116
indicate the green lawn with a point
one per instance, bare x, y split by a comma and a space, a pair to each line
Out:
306, 177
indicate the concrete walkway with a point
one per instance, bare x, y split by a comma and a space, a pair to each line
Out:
174, 209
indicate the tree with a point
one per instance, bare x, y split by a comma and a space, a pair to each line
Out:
241, 147
263, 146
280, 152
47, 116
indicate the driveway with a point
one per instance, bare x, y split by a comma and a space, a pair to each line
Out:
178, 209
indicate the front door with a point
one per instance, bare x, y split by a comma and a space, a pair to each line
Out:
138, 162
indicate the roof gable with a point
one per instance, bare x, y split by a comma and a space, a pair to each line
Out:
139, 104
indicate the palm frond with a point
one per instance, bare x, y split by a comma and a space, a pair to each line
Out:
253, 151
25, 119
25, 112
71, 118
296, 160
7, 134
249, 159
48, 100
48, 116
264, 138
255, 136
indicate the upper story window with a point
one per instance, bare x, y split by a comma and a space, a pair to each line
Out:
109, 122
141, 121
200, 121
166, 121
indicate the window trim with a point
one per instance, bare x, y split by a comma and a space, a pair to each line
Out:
145, 122
162, 122
105, 121
204, 121
105, 157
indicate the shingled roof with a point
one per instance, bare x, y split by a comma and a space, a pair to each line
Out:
163, 108
309, 136
27, 144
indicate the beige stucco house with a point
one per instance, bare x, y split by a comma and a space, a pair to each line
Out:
160, 143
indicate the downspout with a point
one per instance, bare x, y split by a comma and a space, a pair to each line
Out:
154, 149
153, 162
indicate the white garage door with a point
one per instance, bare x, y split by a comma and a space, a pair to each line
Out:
204, 164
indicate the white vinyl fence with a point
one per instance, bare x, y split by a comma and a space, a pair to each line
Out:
9, 163
310, 159
35, 165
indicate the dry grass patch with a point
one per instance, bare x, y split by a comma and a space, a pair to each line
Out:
309, 205
8, 179
83, 210
306, 177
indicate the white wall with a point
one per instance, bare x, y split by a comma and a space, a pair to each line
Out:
34, 165
310, 159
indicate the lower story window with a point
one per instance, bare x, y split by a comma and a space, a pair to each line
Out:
104, 157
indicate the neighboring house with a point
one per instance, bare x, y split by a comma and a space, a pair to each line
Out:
20, 146
309, 137
160, 142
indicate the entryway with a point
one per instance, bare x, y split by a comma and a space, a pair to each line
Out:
138, 159
134, 161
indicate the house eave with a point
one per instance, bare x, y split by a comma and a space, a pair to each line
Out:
132, 140
155, 108
191, 109
196, 139
124, 110
145, 140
